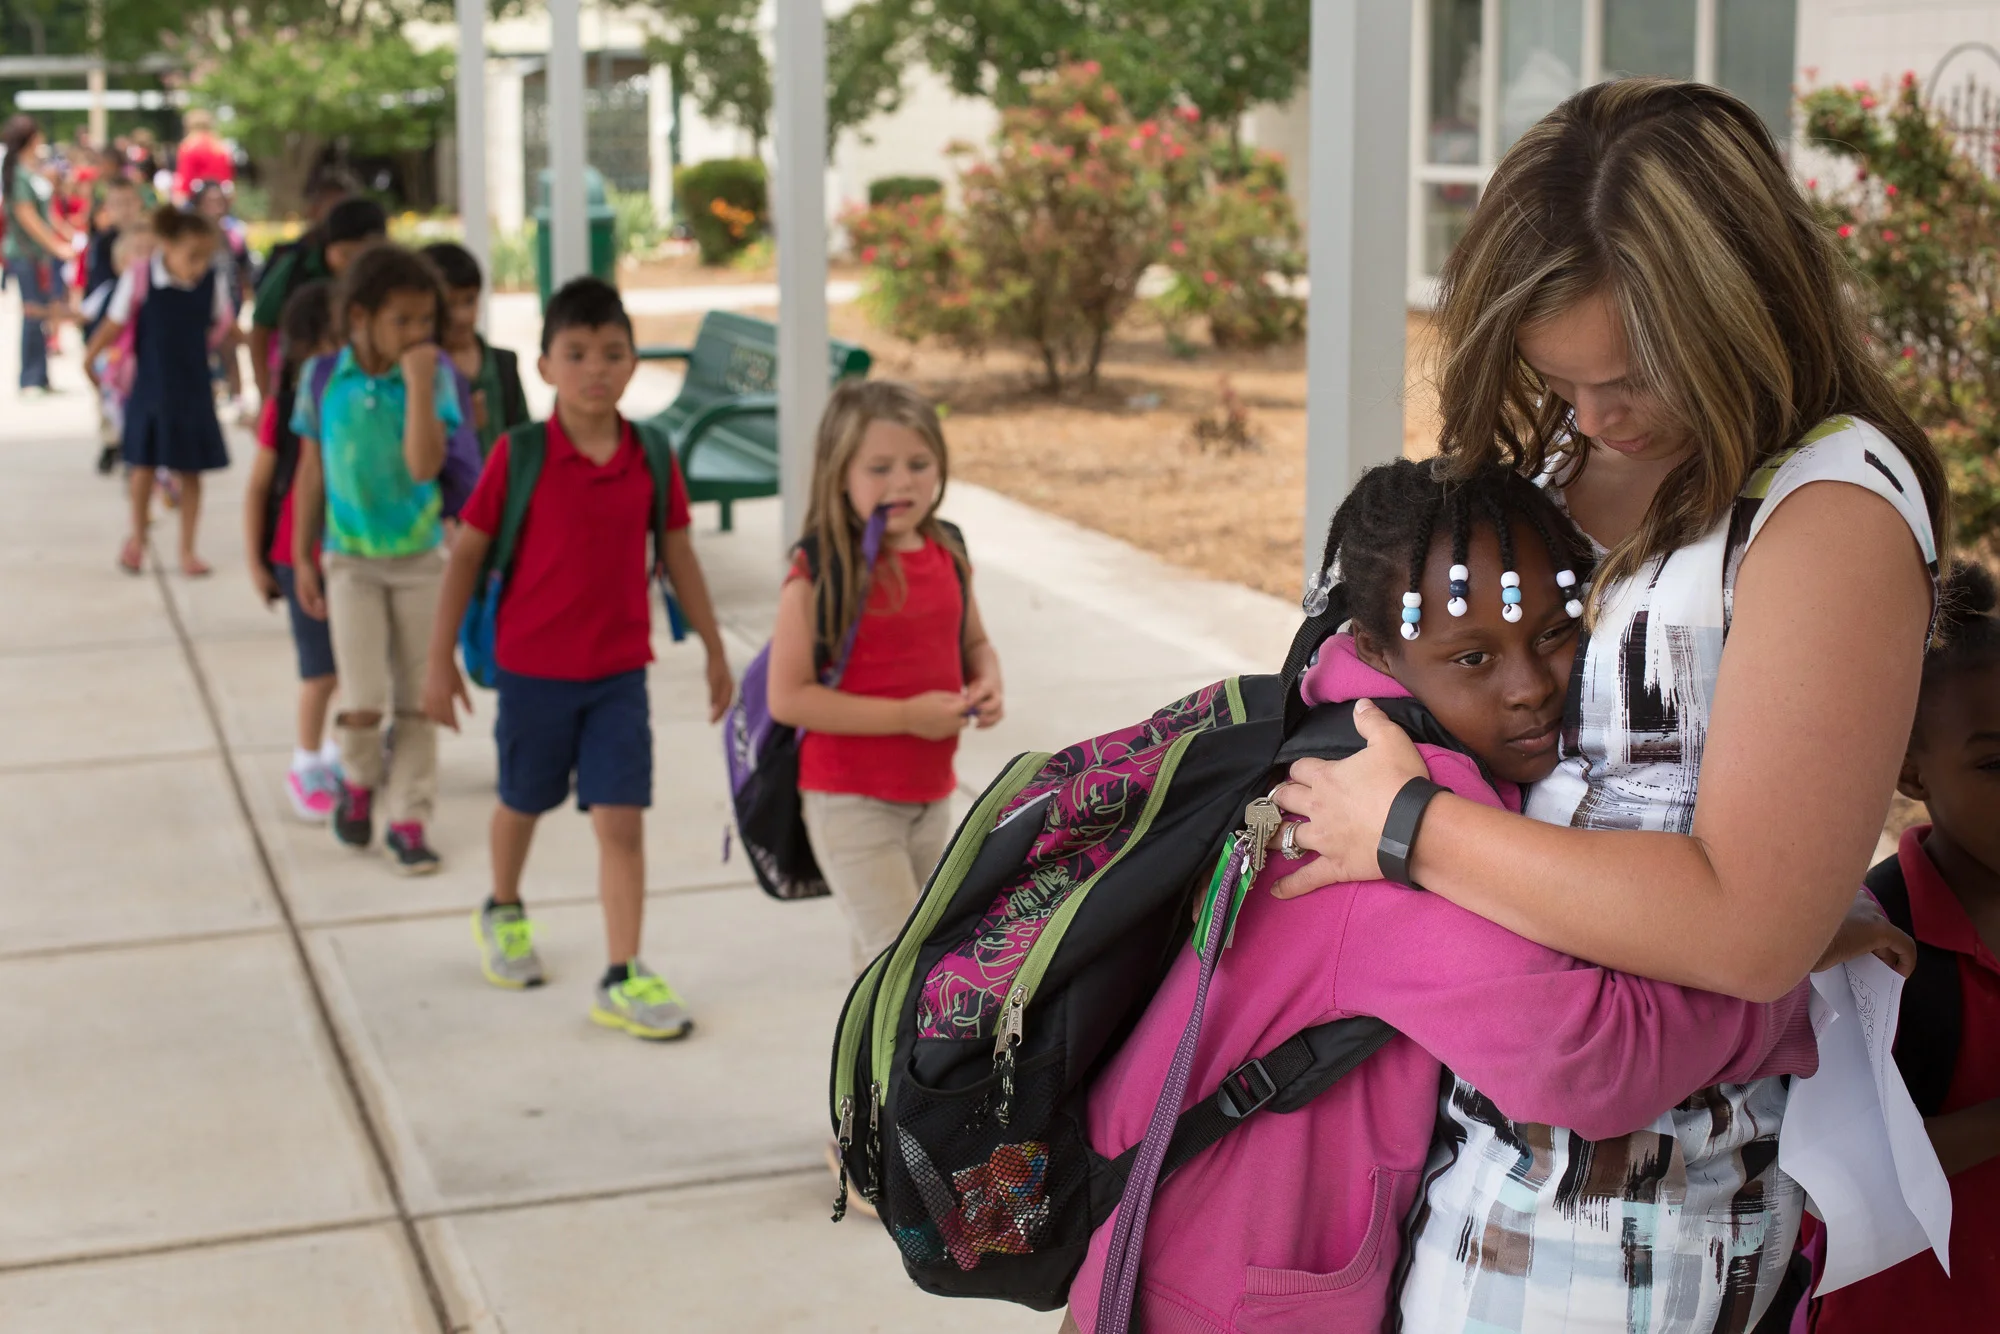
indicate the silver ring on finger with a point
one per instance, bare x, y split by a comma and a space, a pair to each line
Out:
1288, 841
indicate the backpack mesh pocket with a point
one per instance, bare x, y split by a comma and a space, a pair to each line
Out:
964, 1189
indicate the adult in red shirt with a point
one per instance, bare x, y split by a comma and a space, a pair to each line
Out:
573, 639
201, 157
1951, 873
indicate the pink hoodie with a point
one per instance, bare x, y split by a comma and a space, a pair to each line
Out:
1293, 1223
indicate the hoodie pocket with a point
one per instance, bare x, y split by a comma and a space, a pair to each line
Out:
1354, 1297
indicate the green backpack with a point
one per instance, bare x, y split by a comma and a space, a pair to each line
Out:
527, 446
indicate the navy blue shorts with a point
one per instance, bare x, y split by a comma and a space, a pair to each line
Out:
601, 731
311, 637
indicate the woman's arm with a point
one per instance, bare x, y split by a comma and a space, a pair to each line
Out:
797, 698
1811, 716
29, 219
1549, 1040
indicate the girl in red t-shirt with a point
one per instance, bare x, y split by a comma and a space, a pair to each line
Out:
875, 763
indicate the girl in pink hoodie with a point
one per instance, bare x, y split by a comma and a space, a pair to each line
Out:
1468, 598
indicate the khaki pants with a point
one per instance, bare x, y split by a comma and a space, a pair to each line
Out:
381, 611
876, 856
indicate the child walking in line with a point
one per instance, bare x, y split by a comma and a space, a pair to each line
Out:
349, 227
305, 331
498, 402
875, 764
178, 310
573, 638
1944, 886
371, 445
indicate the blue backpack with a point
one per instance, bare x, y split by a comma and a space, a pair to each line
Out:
526, 447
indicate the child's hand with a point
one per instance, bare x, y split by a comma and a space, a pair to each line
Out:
721, 687
937, 715
444, 686
265, 583
305, 583
420, 364
1866, 931
985, 696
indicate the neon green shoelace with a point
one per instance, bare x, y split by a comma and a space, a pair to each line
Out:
516, 936
647, 989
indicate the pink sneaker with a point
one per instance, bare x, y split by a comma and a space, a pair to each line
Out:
312, 792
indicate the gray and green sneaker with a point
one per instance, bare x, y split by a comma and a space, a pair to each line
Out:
642, 1005
507, 946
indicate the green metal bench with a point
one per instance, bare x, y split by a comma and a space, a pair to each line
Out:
724, 423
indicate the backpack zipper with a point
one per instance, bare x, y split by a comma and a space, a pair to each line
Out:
895, 985
843, 1141
1013, 1017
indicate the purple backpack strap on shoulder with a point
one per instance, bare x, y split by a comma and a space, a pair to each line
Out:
318, 375
871, 548
1128, 1235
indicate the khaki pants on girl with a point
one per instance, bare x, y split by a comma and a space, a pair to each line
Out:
876, 856
381, 610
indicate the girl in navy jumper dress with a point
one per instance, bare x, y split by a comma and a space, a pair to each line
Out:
180, 313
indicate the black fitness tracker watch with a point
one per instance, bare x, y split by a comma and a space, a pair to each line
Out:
1399, 831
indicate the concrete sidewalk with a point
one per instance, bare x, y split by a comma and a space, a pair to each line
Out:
253, 1081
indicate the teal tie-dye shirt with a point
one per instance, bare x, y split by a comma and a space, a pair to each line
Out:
373, 506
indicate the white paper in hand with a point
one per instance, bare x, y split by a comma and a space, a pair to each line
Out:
1853, 1139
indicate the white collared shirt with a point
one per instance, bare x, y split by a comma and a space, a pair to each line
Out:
120, 308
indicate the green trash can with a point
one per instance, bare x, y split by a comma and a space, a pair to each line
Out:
603, 232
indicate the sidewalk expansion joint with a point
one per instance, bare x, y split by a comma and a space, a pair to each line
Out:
554, 1199
184, 1245
107, 761
342, 1059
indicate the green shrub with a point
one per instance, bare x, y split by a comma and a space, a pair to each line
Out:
1235, 257
899, 189
635, 227
1920, 222
513, 260
725, 204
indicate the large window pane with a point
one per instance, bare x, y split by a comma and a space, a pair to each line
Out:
1541, 61
1451, 129
1649, 37
1753, 56
1447, 209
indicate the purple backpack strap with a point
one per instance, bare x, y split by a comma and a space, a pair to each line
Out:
318, 375
871, 547
1128, 1235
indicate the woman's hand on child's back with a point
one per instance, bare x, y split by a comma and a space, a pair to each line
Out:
936, 715
1865, 930
1345, 803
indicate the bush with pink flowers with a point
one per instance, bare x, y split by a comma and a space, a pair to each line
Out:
1920, 222
1074, 200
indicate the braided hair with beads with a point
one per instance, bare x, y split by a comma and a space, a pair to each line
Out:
1380, 540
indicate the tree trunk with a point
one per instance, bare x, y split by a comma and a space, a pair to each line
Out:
284, 174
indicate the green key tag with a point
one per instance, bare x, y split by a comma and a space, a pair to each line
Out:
1237, 894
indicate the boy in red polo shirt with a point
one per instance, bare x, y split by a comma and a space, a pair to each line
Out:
1948, 1039
573, 639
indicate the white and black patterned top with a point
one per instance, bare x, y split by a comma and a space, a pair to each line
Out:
1688, 1224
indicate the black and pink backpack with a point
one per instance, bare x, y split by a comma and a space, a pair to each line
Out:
965, 1052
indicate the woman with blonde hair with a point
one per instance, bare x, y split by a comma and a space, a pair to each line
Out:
1645, 312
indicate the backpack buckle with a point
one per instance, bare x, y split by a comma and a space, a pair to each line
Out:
1245, 1089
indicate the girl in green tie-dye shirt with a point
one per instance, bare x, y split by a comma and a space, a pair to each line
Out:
372, 428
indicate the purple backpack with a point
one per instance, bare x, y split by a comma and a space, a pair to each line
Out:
763, 758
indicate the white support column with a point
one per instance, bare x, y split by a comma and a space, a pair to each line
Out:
1704, 40
799, 213
659, 124
569, 246
1357, 214
506, 146
474, 213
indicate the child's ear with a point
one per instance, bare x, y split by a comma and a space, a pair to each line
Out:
1910, 782
1369, 650
542, 368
